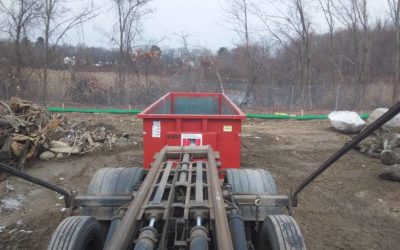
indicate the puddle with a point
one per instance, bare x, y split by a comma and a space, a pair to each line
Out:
11, 203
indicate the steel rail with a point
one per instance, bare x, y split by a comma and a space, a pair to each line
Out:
223, 234
124, 233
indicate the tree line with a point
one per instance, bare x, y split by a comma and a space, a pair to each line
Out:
278, 60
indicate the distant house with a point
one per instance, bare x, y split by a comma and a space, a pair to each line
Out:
70, 60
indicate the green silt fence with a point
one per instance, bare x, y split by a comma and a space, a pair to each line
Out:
86, 110
295, 117
136, 111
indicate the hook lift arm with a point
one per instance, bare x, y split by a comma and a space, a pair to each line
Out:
13, 171
387, 116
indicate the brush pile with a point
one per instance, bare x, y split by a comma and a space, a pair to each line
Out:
28, 131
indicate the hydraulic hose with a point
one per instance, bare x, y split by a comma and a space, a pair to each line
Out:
13, 171
236, 225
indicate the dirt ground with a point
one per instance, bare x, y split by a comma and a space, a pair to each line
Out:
347, 207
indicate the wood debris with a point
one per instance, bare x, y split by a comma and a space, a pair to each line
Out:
28, 130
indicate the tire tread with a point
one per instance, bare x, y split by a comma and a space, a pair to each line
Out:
283, 233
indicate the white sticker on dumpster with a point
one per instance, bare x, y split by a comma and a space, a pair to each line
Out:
227, 128
192, 140
156, 129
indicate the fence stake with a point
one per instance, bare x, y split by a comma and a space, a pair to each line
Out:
6, 89
291, 100
108, 95
337, 97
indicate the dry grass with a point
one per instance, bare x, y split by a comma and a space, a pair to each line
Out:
100, 89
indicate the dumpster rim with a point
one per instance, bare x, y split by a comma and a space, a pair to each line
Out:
240, 115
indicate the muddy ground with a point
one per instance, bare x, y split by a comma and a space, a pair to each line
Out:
347, 207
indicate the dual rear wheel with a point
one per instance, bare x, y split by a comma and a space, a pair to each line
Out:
278, 231
88, 231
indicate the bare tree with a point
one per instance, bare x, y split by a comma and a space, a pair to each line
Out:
56, 25
20, 16
129, 13
292, 27
354, 15
216, 70
237, 16
335, 60
394, 8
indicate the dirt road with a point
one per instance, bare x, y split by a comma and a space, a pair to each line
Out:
346, 208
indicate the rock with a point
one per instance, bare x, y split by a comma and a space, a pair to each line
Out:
60, 156
394, 123
99, 134
47, 155
390, 157
58, 144
391, 173
346, 121
371, 146
391, 140
66, 150
17, 148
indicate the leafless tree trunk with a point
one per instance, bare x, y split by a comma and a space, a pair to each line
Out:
187, 58
56, 25
237, 12
217, 74
292, 25
327, 8
20, 15
354, 15
129, 14
394, 8
305, 51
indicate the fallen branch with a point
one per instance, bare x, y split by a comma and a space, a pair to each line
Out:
8, 107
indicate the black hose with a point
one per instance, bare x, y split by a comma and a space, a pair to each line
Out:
236, 225
20, 174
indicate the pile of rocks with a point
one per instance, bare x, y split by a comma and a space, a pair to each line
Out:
29, 131
384, 144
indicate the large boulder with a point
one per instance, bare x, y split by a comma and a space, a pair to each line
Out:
391, 173
391, 141
390, 157
346, 121
394, 123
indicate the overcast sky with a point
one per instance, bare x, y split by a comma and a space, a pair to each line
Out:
203, 19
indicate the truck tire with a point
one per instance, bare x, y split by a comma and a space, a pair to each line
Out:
281, 232
252, 181
111, 181
77, 233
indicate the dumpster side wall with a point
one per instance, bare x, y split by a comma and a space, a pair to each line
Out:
224, 136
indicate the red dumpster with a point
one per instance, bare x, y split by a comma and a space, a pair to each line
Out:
193, 119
